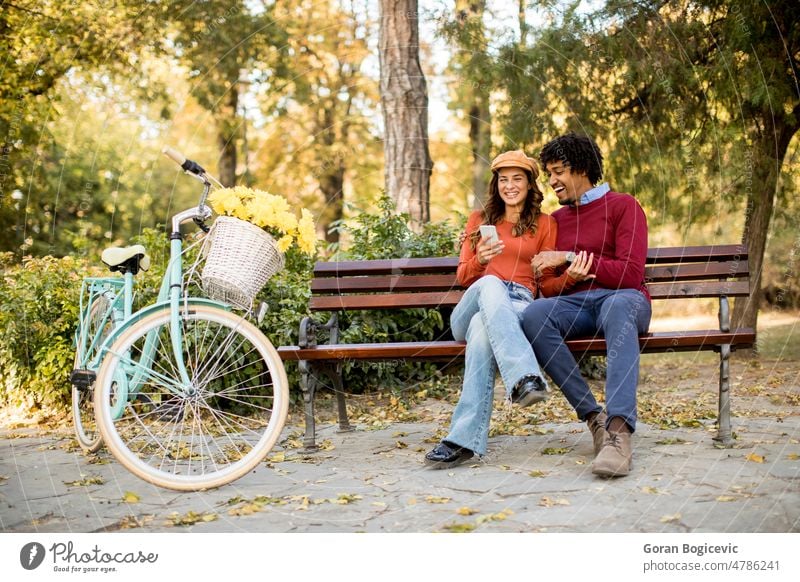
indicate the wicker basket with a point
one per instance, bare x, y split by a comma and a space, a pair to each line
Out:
240, 260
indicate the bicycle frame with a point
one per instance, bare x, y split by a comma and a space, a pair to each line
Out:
171, 293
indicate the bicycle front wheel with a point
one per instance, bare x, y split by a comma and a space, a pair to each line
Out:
210, 432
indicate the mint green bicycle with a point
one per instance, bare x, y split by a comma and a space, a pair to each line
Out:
185, 393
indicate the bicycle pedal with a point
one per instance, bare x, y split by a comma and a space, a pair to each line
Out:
82, 378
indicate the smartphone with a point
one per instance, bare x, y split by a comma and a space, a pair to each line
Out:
489, 232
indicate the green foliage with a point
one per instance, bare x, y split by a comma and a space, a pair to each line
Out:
40, 308
386, 235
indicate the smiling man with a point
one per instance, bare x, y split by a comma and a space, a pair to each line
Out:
593, 284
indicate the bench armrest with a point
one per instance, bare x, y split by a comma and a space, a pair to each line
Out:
309, 328
724, 314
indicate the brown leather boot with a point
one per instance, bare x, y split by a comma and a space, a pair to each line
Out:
616, 458
597, 426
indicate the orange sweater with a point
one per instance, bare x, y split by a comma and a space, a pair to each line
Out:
514, 263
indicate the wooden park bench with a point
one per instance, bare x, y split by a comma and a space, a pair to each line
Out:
672, 273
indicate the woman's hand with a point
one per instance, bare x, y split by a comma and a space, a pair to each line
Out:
485, 251
579, 269
547, 259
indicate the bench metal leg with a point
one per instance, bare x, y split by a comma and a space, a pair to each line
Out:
308, 385
338, 387
724, 432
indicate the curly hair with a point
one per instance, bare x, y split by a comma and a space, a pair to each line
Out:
495, 208
579, 152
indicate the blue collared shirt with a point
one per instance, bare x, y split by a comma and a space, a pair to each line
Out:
595, 193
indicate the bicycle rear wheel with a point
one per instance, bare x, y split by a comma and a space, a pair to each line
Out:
83, 396
206, 434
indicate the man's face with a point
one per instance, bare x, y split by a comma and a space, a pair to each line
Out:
568, 186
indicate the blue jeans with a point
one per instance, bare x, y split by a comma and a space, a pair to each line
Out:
619, 316
488, 317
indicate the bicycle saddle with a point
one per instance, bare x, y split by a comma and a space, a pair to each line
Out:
125, 259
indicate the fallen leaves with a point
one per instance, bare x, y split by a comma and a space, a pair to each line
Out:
675, 518
85, 481
555, 451
547, 502
466, 511
754, 458
190, 518
130, 497
459, 527
434, 499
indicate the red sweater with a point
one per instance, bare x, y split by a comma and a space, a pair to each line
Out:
614, 228
514, 263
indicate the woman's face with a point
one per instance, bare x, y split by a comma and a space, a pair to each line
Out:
513, 186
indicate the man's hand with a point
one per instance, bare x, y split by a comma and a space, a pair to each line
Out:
579, 269
548, 259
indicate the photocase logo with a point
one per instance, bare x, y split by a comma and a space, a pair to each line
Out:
31, 555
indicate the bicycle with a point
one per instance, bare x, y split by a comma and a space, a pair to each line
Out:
185, 393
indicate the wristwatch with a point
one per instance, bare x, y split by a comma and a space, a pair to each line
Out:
570, 257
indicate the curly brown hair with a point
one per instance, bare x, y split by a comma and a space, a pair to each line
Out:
495, 208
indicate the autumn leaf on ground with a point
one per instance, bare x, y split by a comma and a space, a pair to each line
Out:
93, 480
326, 445
793, 456
555, 451
3, 479
401, 445
755, 458
130, 497
672, 441
345, 498
652, 491
459, 527
246, 509
434, 499
277, 458
190, 518
727, 498
399, 435
131, 521
496, 516
547, 502
671, 518
466, 511
537, 473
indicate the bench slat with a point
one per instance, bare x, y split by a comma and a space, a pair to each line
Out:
655, 256
447, 281
688, 289
386, 283
697, 254
651, 343
385, 301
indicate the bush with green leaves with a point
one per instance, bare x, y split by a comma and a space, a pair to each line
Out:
387, 235
40, 308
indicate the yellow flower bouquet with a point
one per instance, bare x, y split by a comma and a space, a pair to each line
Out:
247, 241
269, 212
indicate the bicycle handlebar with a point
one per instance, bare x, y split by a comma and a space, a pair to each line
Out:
202, 212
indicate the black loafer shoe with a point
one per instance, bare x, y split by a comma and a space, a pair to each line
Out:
446, 455
529, 390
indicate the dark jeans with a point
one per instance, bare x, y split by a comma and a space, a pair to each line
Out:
618, 315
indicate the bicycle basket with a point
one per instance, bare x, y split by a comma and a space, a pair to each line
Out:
240, 259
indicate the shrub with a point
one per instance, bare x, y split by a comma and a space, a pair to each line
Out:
387, 235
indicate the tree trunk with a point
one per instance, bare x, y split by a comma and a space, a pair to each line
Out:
480, 117
404, 99
762, 174
480, 136
226, 138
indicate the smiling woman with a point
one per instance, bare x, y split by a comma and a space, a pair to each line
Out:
501, 284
